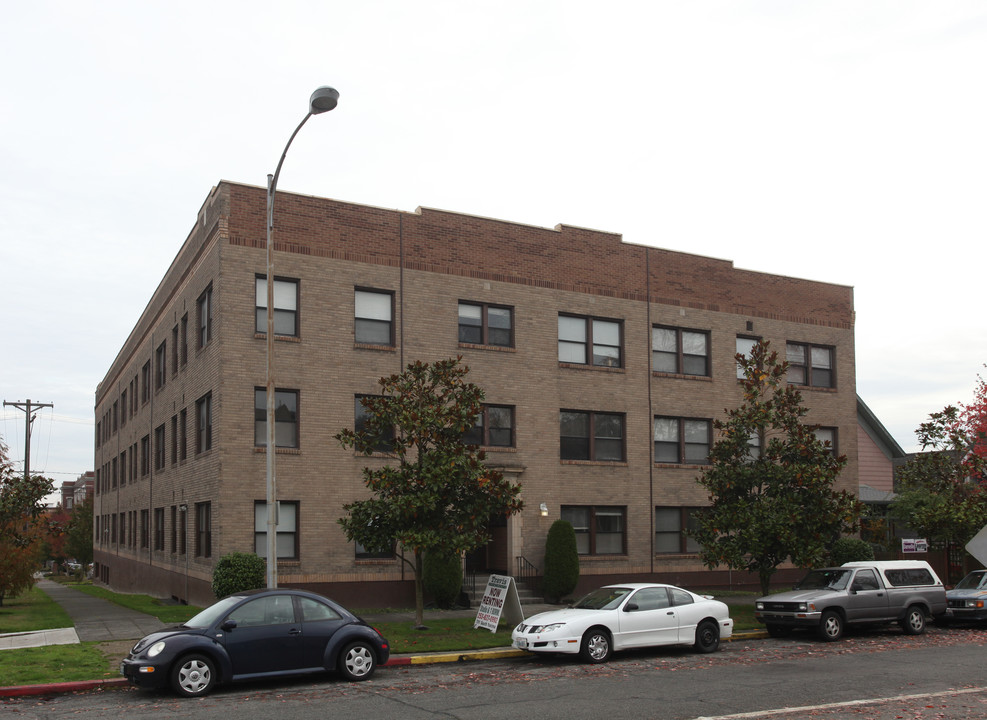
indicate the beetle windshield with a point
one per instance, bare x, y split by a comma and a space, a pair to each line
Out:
603, 599
973, 581
214, 612
835, 578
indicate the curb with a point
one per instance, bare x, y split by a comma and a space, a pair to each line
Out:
66, 687
399, 661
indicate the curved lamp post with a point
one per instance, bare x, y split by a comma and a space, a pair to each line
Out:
323, 100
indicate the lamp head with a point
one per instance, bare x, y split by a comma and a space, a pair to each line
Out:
323, 100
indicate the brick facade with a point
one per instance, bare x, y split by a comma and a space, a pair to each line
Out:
430, 261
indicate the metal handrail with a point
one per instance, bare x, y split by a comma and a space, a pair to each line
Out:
528, 573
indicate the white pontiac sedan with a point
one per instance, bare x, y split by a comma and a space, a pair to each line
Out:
631, 615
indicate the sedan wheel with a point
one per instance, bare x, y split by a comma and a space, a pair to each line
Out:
357, 661
193, 676
596, 647
707, 636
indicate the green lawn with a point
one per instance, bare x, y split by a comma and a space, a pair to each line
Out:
55, 664
32, 610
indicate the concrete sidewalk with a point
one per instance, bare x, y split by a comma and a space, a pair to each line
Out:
38, 638
98, 620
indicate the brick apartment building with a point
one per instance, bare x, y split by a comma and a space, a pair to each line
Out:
603, 365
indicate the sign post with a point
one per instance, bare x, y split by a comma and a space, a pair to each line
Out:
500, 598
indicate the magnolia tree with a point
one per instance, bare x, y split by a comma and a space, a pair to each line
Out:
942, 491
770, 480
439, 496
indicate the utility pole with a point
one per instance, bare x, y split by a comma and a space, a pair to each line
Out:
29, 409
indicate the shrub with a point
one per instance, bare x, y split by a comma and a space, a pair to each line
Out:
442, 577
237, 572
850, 549
561, 561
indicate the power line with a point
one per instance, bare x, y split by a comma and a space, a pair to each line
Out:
29, 409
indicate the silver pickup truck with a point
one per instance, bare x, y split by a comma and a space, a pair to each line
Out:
859, 593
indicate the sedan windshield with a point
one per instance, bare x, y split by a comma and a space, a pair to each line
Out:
820, 579
214, 612
603, 599
972, 581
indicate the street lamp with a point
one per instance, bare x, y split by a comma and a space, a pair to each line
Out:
323, 100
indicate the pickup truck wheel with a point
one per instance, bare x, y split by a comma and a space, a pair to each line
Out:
831, 626
914, 622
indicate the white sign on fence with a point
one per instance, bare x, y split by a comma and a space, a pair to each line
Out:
499, 599
914, 546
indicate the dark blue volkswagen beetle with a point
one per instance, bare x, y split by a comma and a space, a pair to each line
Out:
256, 634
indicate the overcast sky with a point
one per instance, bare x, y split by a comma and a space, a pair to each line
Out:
836, 141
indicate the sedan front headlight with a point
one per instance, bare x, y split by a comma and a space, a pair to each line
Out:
156, 649
759, 605
547, 628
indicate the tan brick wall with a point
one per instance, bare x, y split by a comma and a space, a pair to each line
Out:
431, 260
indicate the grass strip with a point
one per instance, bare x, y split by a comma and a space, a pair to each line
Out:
32, 610
54, 664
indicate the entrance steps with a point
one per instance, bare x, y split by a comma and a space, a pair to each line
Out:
525, 594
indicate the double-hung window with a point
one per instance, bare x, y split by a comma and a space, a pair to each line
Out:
827, 435
204, 308
810, 365
482, 324
744, 347
145, 537
161, 366
374, 317
285, 306
384, 442
203, 423
591, 436
678, 351
600, 530
203, 529
590, 341
682, 440
671, 530
362, 553
145, 455
286, 542
146, 382
159, 448
494, 427
159, 528
285, 418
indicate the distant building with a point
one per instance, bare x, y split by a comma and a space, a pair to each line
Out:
878, 454
603, 362
76, 491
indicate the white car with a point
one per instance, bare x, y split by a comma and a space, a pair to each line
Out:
631, 615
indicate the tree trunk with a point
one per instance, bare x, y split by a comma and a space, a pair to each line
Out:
765, 575
419, 592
